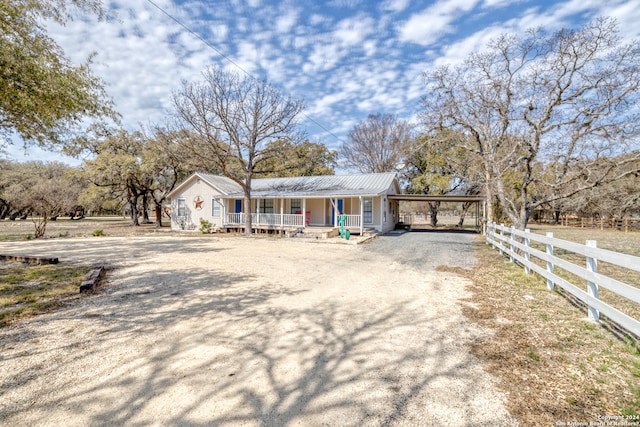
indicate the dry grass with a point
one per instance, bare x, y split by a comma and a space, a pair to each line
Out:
554, 365
87, 227
27, 290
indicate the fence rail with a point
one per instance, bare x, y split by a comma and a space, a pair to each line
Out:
626, 224
517, 245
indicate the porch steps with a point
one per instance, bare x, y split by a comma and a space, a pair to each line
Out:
328, 233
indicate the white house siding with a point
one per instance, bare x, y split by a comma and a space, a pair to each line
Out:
205, 188
316, 208
192, 191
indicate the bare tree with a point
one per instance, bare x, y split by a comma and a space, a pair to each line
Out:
45, 190
540, 110
234, 120
378, 144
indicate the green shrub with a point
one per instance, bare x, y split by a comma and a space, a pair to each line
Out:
97, 233
205, 226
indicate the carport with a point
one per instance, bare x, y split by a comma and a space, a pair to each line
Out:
478, 201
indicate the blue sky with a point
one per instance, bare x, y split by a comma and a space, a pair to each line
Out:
346, 58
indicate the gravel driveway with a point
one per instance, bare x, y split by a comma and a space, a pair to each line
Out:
253, 332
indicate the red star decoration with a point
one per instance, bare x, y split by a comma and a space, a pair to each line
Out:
198, 201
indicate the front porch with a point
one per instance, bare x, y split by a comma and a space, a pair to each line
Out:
286, 222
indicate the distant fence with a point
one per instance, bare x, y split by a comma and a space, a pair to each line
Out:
626, 225
517, 245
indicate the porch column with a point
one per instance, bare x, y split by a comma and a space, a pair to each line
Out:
257, 216
223, 210
281, 213
334, 209
382, 203
361, 215
304, 213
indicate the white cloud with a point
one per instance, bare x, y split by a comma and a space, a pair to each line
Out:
286, 21
353, 31
339, 57
395, 5
428, 26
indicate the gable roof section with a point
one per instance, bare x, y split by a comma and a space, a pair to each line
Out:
222, 184
372, 184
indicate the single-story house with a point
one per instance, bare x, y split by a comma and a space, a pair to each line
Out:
288, 203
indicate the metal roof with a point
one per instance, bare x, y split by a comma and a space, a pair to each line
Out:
222, 183
370, 184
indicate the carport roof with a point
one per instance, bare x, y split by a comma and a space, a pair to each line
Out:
436, 198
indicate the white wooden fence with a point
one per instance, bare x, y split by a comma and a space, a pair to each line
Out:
517, 245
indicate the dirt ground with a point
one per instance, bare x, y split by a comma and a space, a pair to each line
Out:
252, 331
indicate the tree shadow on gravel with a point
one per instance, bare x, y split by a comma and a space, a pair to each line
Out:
112, 252
204, 348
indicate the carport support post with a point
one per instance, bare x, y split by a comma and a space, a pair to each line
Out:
592, 288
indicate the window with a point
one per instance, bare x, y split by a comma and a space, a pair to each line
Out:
296, 206
266, 206
182, 207
216, 208
367, 210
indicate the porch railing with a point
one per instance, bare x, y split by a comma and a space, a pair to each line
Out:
352, 221
285, 220
268, 219
234, 219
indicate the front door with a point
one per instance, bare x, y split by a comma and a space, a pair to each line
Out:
238, 206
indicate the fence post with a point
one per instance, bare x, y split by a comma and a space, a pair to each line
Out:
487, 236
550, 267
511, 248
501, 241
592, 288
527, 254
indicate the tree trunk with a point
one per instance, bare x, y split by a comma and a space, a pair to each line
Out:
489, 198
133, 204
465, 209
5, 209
247, 202
145, 211
247, 212
433, 211
158, 222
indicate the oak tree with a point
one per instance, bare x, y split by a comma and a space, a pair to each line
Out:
540, 110
43, 96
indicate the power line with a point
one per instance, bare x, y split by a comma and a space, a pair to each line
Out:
227, 58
